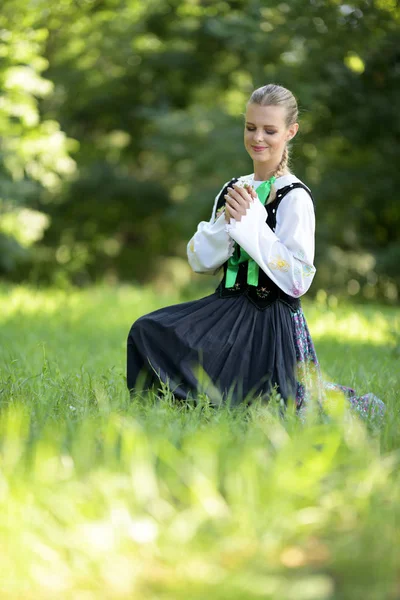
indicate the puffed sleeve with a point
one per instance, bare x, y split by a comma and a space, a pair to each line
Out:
211, 245
286, 255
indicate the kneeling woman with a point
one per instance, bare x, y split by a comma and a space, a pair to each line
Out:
250, 336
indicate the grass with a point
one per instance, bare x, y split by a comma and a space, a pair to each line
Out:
102, 497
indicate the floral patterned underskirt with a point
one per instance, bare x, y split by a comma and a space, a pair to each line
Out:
310, 382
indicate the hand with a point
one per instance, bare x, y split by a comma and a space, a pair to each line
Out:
238, 200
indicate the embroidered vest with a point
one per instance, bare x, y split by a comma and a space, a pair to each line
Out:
266, 291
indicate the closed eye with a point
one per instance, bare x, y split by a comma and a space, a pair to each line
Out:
266, 131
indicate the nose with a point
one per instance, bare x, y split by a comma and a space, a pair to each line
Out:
258, 136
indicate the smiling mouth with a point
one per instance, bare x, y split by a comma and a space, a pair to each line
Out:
259, 147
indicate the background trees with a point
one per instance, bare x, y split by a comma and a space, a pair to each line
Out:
120, 121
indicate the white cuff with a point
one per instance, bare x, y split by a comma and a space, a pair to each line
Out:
210, 247
249, 225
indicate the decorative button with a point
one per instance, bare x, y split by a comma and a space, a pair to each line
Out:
273, 210
236, 286
262, 292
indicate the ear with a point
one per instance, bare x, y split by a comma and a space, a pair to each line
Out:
291, 132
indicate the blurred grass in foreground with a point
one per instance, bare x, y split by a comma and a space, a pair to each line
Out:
102, 497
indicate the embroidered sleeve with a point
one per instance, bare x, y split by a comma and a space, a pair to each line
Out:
211, 245
286, 255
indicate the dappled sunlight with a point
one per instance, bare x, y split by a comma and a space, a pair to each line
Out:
22, 300
357, 324
72, 329
354, 327
75, 303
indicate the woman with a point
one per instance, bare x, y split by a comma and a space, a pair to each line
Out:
250, 336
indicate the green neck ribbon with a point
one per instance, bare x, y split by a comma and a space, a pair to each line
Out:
240, 255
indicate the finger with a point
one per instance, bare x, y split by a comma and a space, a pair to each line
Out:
251, 191
243, 191
240, 208
237, 211
235, 193
238, 216
237, 200
235, 215
228, 215
247, 195
232, 202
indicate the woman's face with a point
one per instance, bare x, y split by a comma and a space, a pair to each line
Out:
265, 133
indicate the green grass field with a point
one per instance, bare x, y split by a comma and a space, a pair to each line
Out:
102, 497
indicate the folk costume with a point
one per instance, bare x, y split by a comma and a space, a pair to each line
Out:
249, 336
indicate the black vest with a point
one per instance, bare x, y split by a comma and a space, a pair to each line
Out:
266, 291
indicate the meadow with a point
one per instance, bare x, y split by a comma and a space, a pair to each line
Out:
107, 497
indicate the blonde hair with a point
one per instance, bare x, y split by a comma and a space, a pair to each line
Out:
277, 95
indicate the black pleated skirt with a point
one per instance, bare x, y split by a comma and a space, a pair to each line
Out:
224, 347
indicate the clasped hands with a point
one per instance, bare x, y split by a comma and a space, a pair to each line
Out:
238, 200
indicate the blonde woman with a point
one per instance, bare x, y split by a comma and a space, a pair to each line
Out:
250, 336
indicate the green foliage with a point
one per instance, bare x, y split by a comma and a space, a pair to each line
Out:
153, 94
104, 497
34, 152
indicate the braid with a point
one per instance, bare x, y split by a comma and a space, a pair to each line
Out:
283, 165
281, 169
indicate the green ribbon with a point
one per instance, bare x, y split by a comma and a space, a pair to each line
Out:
240, 255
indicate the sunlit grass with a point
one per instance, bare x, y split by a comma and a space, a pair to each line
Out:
102, 497
350, 326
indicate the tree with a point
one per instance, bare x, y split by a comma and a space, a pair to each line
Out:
154, 92
34, 152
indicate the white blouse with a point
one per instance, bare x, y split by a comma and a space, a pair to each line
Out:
286, 255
